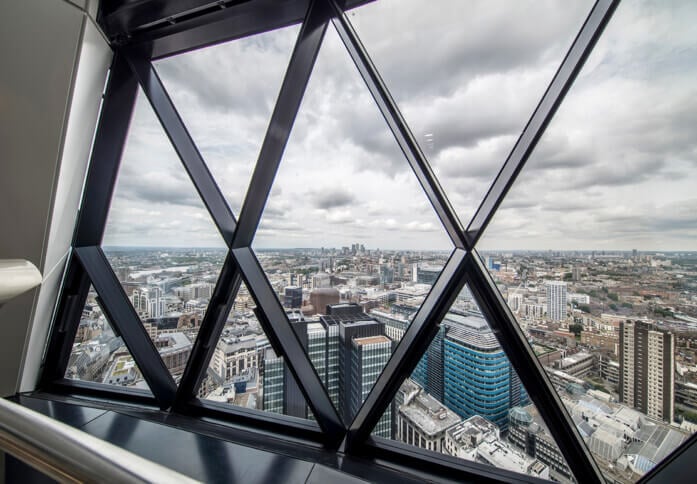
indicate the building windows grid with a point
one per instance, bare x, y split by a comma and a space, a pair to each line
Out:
132, 69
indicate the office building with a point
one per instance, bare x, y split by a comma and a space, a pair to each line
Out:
647, 369
348, 350
293, 297
78, 75
556, 300
478, 440
422, 420
466, 369
148, 301
527, 432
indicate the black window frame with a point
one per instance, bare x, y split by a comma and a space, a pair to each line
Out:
142, 32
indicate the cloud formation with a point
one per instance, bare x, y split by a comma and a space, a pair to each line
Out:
614, 170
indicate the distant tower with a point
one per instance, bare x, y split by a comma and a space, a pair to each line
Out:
556, 300
293, 297
647, 369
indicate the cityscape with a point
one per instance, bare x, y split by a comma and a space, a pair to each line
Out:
616, 332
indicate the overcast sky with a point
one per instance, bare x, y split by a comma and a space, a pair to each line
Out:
616, 168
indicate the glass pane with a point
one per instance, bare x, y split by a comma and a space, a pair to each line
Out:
348, 237
225, 94
99, 355
246, 371
594, 248
464, 399
467, 77
161, 241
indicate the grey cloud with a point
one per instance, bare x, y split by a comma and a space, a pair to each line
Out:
156, 189
332, 198
243, 75
443, 49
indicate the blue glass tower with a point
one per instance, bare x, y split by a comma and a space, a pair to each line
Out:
477, 376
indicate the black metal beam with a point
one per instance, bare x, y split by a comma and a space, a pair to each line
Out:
561, 83
679, 466
163, 28
283, 339
287, 105
409, 351
403, 135
257, 420
532, 375
225, 25
183, 143
125, 320
209, 333
109, 142
134, 396
120, 18
66, 320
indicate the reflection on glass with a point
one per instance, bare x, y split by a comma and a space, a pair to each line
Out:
98, 354
161, 242
225, 94
464, 399
594, 249
348, 239
467, 78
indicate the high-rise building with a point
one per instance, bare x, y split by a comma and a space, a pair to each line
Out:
647, 369
556, 300
149, 301
293, 297
427, 274
478, 378
467, 370
348, 349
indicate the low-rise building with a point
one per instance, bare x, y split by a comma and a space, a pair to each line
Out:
422, 420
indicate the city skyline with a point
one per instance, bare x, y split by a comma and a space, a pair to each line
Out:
599, 177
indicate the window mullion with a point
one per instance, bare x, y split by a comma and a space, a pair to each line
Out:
299, 69
532, 375
554, 95
283, 339
125, 320
183, 144
400, 130
411, 348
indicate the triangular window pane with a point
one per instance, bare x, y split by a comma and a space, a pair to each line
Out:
225, 94
160, 240
467, 77
99, 354
594, 246
348, 237
245, 371
464, 399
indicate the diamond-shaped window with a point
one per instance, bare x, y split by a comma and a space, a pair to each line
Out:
593, 248
99, 354
225, 95
348, 237
161, 241
467, 77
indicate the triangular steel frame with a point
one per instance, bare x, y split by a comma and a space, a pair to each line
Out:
132, 67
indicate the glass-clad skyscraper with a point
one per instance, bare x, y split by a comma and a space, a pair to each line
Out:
467, 366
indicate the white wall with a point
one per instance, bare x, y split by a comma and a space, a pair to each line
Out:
54, 64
